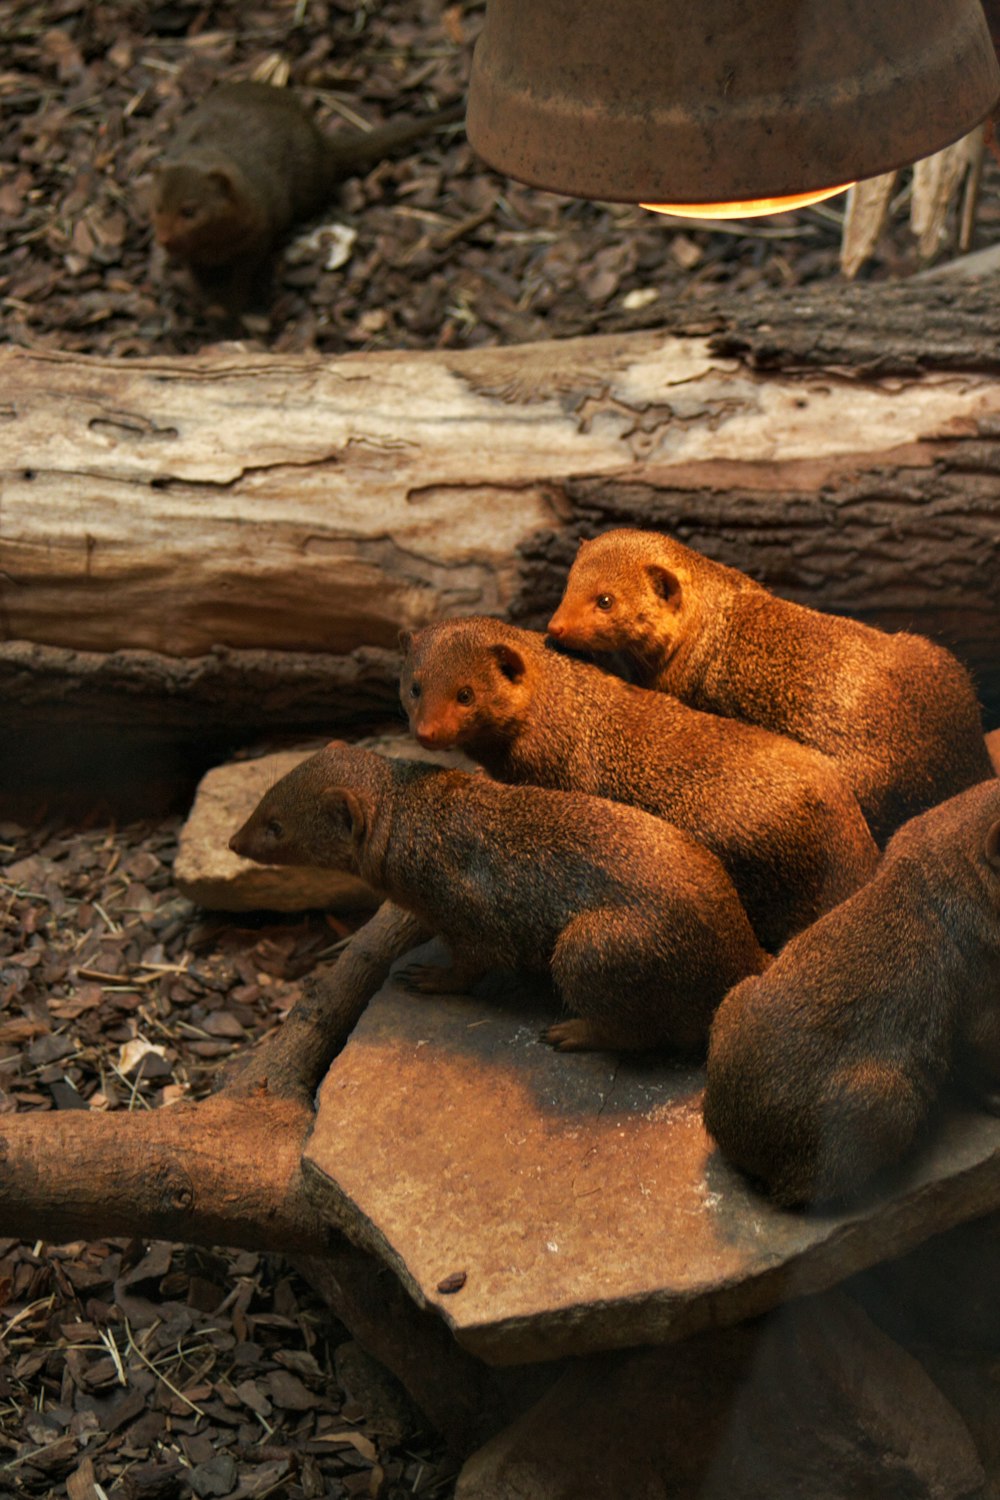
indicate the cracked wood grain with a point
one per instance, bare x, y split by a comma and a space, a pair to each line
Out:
305, 505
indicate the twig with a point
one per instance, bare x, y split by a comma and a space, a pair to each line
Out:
150, 1366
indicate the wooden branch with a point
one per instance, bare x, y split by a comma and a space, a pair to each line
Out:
225, 1171
294, 1060
59, 687
865, 332
308, 504
464, 1399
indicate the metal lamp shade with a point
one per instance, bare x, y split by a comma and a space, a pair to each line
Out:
696, 101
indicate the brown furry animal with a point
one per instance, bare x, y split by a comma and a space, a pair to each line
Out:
777, 814
247, 163
638, 926
896, 713
823, 1072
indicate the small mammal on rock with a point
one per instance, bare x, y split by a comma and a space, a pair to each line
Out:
896, 713
639, 927
247, 163
823, 1072
777, 814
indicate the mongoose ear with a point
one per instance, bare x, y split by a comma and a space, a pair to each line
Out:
342, 803
223, 180
665, 583
992, 849
509, 660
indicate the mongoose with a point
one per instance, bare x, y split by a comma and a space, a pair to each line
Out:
247, 163
897, 713
777, 814
823, 1072
639, 927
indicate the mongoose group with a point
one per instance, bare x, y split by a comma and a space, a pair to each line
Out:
652, 847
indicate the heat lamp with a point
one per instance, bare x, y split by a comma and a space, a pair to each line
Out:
712, 108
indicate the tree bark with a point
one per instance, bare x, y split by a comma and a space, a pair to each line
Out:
227, 546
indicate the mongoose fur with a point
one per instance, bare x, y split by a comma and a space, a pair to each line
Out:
897, 713
247, 163
639, 927
777, 814
824, 1071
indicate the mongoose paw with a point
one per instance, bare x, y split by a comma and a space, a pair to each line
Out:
424, 979
433, 979
571, 1036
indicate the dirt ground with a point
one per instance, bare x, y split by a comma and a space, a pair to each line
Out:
154, 1370
429, 249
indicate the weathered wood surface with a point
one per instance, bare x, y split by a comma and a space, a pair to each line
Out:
204, 693
844, 447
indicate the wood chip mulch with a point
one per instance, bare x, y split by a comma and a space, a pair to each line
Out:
152, 1371
429, 249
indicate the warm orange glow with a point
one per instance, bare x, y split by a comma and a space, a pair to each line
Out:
750, 208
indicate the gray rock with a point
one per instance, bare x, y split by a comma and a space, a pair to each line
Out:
579, 1193
208, 873
811, 1403
914, 1298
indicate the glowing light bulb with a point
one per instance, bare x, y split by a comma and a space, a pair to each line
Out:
750, 208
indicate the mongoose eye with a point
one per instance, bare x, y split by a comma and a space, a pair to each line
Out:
274, 829
604, 601
465, 695
188, 211
414, 689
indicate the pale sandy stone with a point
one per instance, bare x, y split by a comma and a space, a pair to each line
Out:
207, 871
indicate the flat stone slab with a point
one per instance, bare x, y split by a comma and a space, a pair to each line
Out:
578, 1194
206, 870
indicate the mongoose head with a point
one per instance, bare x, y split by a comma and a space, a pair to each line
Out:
317, 814
199, 213
625, 592
464, 682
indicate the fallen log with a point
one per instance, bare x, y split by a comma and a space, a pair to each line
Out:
204, 546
